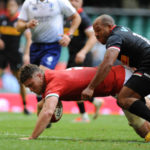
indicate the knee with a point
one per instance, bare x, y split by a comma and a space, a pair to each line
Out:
121, 102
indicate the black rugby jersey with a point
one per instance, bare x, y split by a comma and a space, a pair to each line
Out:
8, 32
134, 49
79, 39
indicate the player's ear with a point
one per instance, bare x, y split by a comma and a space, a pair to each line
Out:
40, 75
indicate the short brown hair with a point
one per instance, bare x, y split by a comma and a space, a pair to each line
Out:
27, 72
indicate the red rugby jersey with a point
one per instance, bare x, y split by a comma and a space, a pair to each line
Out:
68, 84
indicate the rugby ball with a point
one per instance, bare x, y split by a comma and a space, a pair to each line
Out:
57, 113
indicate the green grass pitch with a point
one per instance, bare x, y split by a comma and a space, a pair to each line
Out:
105, 133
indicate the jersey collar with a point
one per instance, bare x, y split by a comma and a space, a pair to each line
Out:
113, 27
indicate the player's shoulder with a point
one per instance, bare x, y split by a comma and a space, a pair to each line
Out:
85, 17
121, 31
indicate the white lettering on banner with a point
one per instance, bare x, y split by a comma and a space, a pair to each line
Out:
143, 38
4, 105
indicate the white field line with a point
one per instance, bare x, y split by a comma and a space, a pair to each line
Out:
23, 135
62, 138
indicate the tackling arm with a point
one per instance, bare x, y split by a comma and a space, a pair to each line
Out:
103, 69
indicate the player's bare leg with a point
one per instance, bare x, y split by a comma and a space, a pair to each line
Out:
147, 137
141, 126
22, 92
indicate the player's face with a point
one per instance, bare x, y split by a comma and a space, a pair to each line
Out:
12, 7
101, 32
35, 84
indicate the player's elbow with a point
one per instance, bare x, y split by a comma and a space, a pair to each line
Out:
109, 65
18, 28
48, 113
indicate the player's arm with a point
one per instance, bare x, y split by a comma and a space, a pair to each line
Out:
66, 38
26, 58
75, 22
23, 25
103, 69
44, 116
91, 41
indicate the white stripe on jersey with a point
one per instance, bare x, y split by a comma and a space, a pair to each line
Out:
114, 47
52, 94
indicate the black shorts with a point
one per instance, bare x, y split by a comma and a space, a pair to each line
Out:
14, 59
140, 83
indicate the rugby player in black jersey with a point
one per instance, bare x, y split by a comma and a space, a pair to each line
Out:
134, 51
9, 45
79, 52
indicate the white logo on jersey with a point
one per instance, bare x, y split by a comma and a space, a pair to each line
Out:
124, 29
75, 68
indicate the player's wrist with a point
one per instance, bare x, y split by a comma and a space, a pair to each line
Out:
69, 35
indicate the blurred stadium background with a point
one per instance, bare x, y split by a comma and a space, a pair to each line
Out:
134, 14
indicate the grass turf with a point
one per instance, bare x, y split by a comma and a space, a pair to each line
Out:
105, 133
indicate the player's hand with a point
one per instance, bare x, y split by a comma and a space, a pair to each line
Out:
2, 44
32, 23
80, 57
26, 138
65, 40
87, 93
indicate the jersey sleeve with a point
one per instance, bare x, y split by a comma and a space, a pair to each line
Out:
53, 88
66, 8
114, 41
24, 11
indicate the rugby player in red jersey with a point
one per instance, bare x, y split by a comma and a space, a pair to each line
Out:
55, 85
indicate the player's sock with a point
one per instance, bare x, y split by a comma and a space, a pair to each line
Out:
147, 137
81, 107
140, 109
84, 116
97, 103
26, 111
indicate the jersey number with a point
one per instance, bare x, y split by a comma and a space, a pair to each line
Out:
125, 60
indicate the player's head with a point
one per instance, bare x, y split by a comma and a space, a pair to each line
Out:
76, 3
33, 78
12, 7
103, 27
